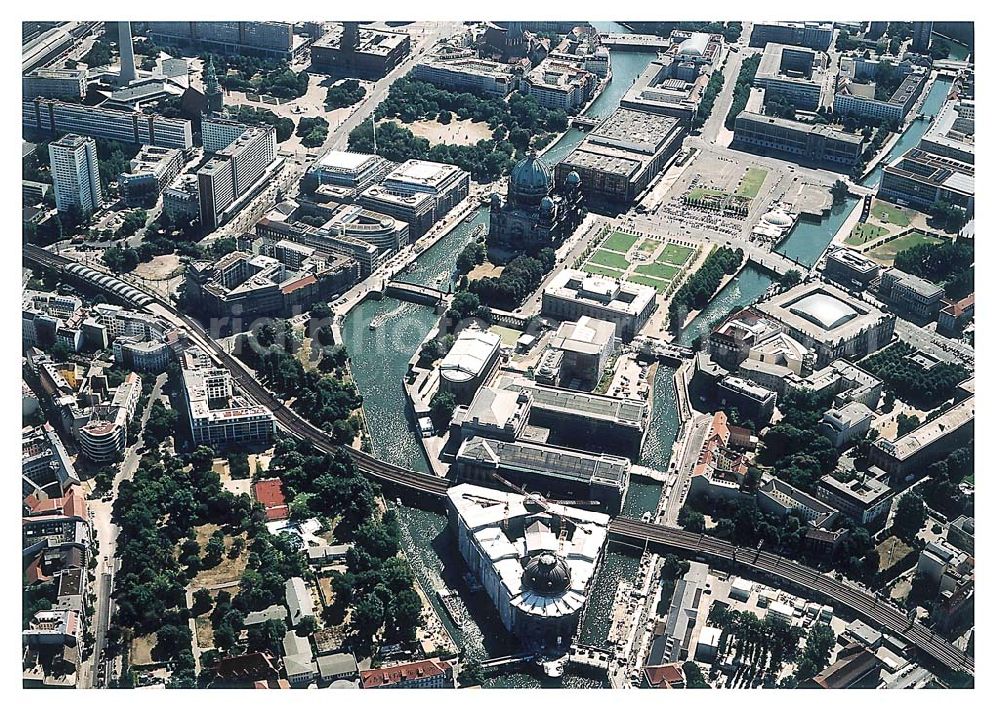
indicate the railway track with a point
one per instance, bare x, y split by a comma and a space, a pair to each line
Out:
863, 603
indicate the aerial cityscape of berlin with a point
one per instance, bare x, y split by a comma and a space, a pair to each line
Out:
552, 353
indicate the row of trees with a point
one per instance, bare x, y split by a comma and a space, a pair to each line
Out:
761, 645
741, 92
519, 279
923, 388
699, 288
712, 90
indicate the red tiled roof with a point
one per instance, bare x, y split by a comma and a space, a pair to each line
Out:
387, 676
665, 676
269, 493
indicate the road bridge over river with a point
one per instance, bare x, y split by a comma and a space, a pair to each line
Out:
880, 613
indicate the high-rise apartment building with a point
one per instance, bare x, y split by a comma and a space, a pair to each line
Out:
73, 160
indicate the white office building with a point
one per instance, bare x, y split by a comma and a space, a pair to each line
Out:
73, 160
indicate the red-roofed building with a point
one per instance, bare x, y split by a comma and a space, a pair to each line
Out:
664, 676
270, 494
955, 315
424, 674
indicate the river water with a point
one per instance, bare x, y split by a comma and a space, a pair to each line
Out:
378, 362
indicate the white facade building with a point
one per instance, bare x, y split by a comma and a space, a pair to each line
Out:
73, 160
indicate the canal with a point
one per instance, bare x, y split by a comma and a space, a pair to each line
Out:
809, 238
378, 363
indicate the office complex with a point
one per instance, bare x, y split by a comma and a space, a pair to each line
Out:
351, 172
832, 322
795, 74
52, 116
537, 563
233, 172
360, 51
149, 173
467, 73
807, 143
216, 414
559, 84
290, 279
858, 93
55, 83
275, 39
941, 169
218, 133
73, 161
931, 441
865, 499
619, 158
418, 192
851, 269
916, 298
815, 35
921, 179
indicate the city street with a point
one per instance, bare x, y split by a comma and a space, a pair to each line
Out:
106, 532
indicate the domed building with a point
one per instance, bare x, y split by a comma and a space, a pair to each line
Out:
535, 561
535, 214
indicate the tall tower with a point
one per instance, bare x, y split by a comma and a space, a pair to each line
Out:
213, 91
73, 160
127, 73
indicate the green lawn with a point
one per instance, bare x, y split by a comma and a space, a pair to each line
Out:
699, 193
619, 242
887, 251
609, 258
674, 254
750, 184
863, 233
649, 246
658, 270
883, 211
656, 283
601, 271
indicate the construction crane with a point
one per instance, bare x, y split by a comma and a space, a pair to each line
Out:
541, 499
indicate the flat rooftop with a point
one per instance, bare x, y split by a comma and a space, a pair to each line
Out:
935, 170
545, 460
947, 423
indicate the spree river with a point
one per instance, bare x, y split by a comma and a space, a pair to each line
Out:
379, 359
378, 362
